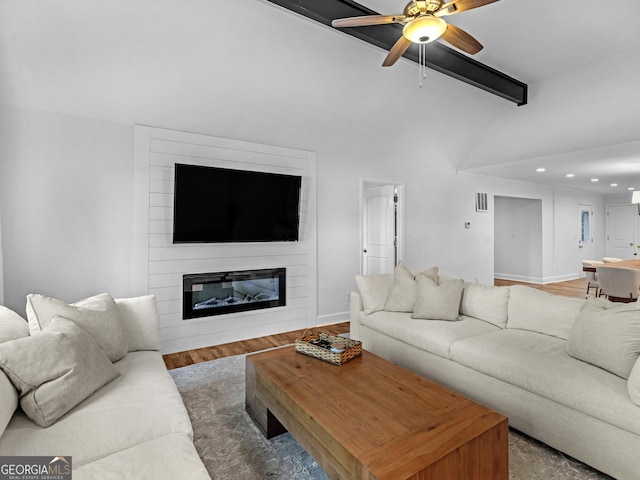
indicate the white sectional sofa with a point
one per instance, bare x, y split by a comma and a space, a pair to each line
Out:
564, 370
87, 381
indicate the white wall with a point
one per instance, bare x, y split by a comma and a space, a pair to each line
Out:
66, 195
619, 199
66, 186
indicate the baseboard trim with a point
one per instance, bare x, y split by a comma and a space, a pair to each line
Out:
566, 278
537, 280
519, 278
332, 318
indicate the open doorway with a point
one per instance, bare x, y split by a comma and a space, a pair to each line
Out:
518, 239
381, 226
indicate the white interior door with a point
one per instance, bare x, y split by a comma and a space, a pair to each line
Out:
621, 226
378, 230
585, 233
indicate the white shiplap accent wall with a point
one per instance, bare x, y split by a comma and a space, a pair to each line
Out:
159, 264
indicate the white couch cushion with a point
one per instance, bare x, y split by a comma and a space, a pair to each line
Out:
607, 334
434, 336
142, 404
486, 302
541, 365
141, 322
438, 301
374, 290
70, 368
542, 312
633, 384
99, 316
140, 462
12, 327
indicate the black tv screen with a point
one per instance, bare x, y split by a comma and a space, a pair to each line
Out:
218, 205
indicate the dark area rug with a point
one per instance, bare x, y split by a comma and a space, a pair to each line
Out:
232, 447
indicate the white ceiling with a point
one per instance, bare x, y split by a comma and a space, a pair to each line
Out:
534, 41
255, 71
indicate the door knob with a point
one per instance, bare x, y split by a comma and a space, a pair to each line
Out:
364, 250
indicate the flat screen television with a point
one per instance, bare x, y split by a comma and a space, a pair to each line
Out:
222, 205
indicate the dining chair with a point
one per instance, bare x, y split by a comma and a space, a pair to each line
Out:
611, 259
592, 277
619, 284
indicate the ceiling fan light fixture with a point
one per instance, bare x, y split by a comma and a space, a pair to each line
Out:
424, 29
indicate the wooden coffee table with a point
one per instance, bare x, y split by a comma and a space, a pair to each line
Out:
371, 419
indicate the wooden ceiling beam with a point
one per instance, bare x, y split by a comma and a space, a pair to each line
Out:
439, 57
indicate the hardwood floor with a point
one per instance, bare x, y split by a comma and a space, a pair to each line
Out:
189, 357
572, 288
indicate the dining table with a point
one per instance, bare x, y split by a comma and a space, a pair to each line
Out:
622, 264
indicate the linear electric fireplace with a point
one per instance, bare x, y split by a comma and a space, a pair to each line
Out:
206, 294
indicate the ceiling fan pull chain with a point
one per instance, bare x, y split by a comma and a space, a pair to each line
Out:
420, 53
422, 63
424, 60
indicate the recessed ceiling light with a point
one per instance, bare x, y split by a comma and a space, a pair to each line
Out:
595, 180
570, 175
614, 184
541, 169
631, 188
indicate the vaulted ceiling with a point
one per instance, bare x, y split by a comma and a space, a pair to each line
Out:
256, 71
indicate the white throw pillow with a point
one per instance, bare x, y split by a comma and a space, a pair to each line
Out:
374, 290
404, 291
486, 302
141, 322
438, 302
99, 316
633, 384
12, 327
8, 401
70, 368
607, 335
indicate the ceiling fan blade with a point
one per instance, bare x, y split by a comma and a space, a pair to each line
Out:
396, 51
461, 39
367, 20
457, 6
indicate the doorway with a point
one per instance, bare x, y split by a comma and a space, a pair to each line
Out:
518, 239
381, 226
585, 233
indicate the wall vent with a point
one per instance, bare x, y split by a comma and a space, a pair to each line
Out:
482, 204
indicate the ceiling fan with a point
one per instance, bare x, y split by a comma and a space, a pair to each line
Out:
422, 24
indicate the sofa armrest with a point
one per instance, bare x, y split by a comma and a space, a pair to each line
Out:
355, 309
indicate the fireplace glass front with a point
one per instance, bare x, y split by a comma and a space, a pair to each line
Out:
206, 294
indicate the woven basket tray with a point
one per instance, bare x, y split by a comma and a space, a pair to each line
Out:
318, 345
